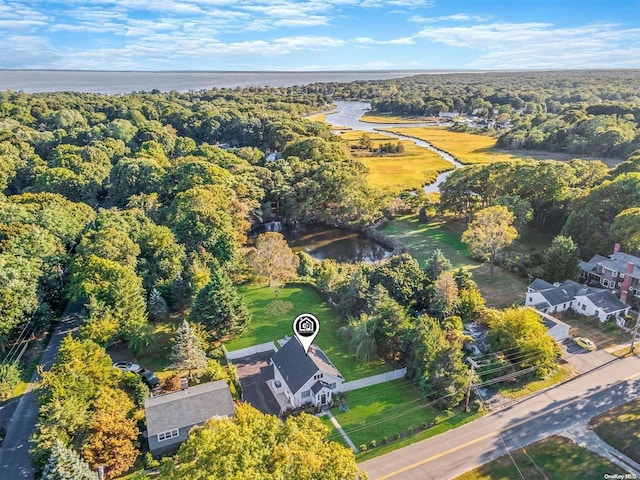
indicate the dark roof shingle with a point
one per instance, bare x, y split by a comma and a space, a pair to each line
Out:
188, 407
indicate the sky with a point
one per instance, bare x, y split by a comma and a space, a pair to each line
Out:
311, 35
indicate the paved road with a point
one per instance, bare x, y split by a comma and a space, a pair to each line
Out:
457, 451
15, 461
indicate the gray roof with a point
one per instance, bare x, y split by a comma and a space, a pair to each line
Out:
297, 368
541, 305
188, 407
607, 301
617, 262
562, 293
539, 284
319, 385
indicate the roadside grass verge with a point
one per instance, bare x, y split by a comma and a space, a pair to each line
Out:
409, 170
602, 334
521, 389
445, 423
557, 457
388, 118
620, 428
266, 327
500, 289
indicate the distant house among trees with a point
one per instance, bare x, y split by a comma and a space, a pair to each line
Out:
171, 416
559, 297
448, 114
620, 272
305, 378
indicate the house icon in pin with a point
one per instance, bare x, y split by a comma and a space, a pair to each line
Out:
306, 326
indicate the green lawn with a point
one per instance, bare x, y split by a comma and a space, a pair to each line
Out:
500, 288
521, 389
558, 457
620, 427
383, 410
303, 299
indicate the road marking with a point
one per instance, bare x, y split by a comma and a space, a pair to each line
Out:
566, 403
439, 455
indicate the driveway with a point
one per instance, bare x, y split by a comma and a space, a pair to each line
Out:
253, 372
583, 360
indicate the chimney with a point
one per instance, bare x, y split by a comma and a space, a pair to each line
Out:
616, 248
624, 289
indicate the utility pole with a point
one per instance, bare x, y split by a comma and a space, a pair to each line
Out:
474, 365
635, 332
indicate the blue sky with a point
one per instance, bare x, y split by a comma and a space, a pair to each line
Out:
318, 34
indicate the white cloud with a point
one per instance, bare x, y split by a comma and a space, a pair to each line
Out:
457, 17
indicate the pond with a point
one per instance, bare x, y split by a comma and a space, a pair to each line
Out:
322, 242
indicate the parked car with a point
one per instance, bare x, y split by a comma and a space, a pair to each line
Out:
149, 378
585, 343
127, 366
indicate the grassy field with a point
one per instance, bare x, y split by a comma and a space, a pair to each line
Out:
500, 289
468, 148
383, 410
318, 117
409, 170
388, 118
558, 457
265, 327
620, 427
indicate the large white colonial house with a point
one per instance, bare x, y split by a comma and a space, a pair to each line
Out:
305, 378
559, 297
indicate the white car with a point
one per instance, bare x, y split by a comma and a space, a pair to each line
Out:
127, 366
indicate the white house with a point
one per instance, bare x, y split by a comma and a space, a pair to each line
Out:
584, 300
305, 378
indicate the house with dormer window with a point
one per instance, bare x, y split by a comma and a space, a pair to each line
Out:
304, 378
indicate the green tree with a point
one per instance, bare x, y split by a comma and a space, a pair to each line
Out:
435, 264
626, 229
9, 379
521, 209
489, 232
402, 277
256, 446
273, 258
110, 244
561, 260
65, 464
521, 333
157, 305
187, 352
220, 307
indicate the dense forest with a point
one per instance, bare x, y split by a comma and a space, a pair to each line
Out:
127, 207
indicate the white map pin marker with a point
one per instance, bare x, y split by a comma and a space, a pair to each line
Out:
306, 328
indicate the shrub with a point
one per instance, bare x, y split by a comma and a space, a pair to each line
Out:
172, 383
385, 440
149, 462
9, 378
134, 386
363, 448
372, 444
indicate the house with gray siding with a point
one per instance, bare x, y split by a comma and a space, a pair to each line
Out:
619, 272
171, 416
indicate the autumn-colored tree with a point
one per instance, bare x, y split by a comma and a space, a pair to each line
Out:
111, 435
445, 295
273, 259
490, 231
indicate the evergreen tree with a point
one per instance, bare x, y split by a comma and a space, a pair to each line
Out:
220, 307
65, 464
436, 264
187, 352
561, 260
157, 305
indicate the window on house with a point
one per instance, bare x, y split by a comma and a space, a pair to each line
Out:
584, 307
305, 394
168, 434
333, 385
605, 283
531, 299
564, 305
